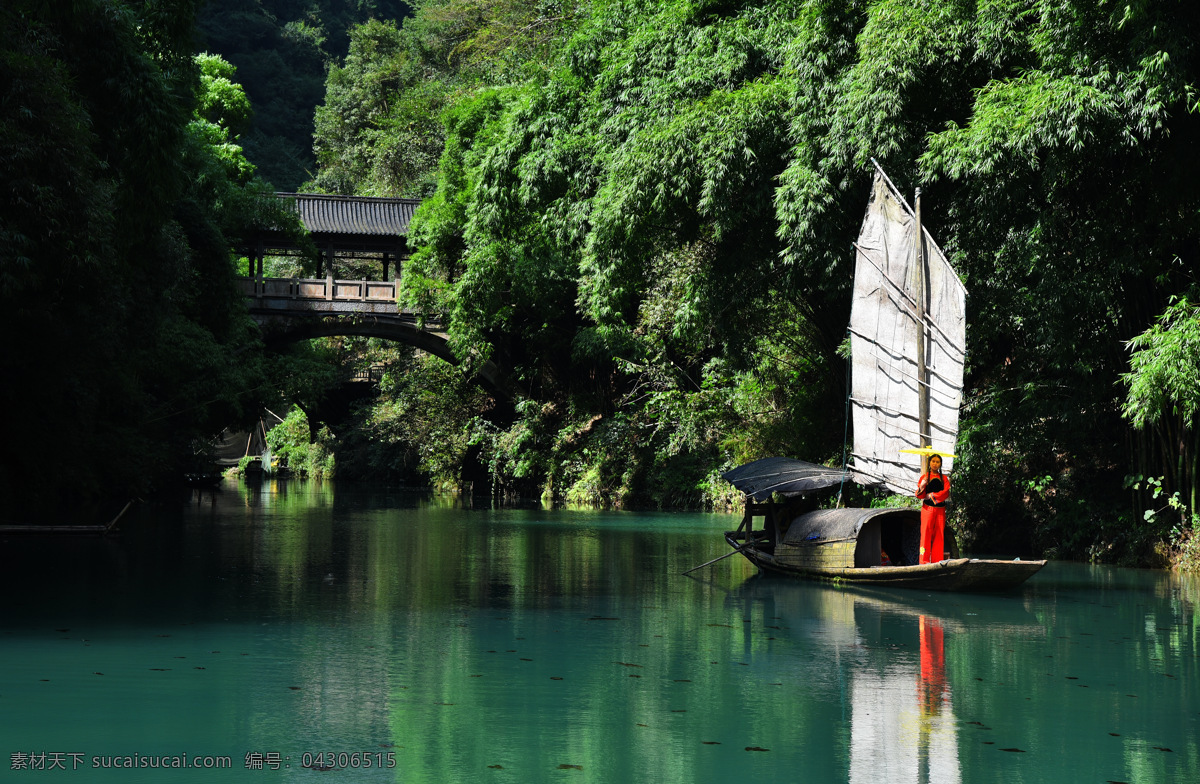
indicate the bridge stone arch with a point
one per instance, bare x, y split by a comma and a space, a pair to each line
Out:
293, 309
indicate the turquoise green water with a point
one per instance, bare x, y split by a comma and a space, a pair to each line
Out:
409, 640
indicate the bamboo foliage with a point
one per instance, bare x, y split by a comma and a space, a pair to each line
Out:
656, 217
1164, 399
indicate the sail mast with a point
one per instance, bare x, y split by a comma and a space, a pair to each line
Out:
922, 307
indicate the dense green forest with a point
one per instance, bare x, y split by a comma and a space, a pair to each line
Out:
128, 344
281, 50
643, 211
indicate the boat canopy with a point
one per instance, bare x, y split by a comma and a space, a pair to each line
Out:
831, 525
785, 476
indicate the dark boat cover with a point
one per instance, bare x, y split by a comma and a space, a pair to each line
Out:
785, 476
825, 525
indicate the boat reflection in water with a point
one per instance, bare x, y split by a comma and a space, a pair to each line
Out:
902, 724
885, 660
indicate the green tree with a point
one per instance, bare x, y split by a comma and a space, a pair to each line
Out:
282, 49
131, 345
650, 222
377, 133
1164, 395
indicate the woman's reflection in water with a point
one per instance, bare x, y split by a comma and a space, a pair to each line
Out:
938, 746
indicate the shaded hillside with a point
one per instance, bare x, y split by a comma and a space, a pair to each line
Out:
282, 50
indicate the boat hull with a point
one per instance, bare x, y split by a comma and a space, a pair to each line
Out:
958, 574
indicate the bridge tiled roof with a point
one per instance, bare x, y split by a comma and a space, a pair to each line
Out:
372, 216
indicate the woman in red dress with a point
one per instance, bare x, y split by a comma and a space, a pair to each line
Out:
933, 488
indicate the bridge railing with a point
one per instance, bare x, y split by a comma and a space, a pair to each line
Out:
374, 374
322, 289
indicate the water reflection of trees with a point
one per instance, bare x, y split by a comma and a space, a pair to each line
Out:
893, 687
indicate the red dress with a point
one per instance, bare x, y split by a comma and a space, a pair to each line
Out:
933, 516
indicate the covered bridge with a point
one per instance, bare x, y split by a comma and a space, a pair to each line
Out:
350, 232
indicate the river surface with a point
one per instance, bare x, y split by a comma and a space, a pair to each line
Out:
307, 632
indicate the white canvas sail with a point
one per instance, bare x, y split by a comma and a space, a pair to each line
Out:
884, 331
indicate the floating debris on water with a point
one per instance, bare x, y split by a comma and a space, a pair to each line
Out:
1018, 751
756, 748
565, 766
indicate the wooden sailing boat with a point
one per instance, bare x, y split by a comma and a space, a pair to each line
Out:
908, 347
